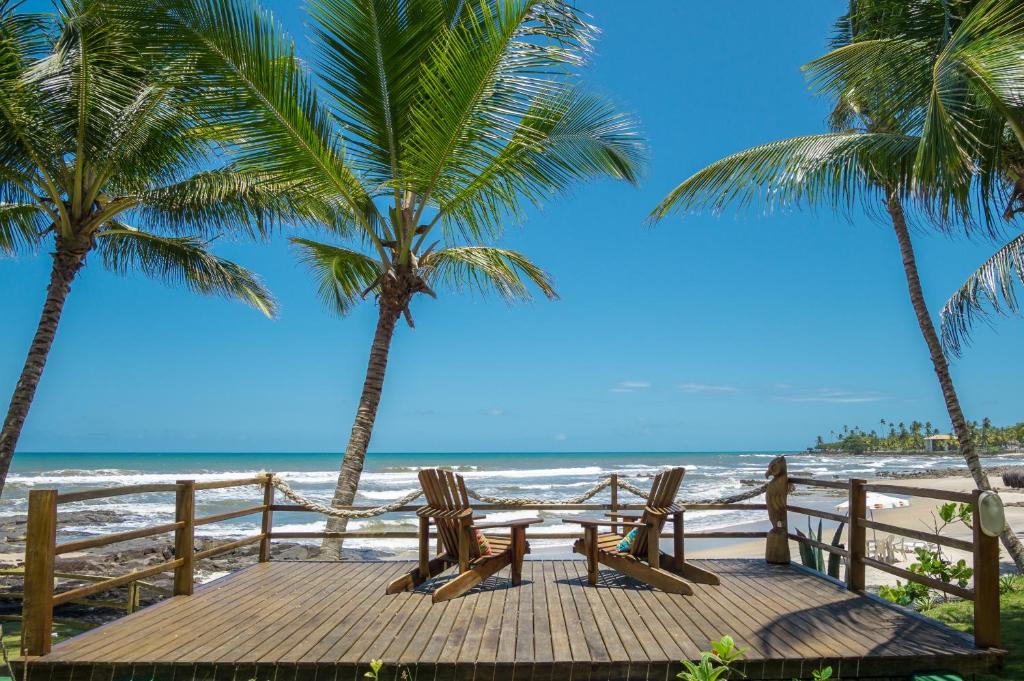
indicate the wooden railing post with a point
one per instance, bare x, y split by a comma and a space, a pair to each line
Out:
615, 500
776, 498
857, 535
986, 584
268, 517
133, 598
184, 537
40, 549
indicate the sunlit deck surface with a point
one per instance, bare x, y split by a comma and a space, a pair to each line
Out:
323, 621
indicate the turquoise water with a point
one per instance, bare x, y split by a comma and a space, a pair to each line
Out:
548, 476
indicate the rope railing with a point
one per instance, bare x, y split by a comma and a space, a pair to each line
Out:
311, 505
401, 502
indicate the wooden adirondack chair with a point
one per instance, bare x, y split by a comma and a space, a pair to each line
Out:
644, 561
448, 507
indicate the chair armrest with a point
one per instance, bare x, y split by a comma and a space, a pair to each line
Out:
518, 522
667, 510
444, 513
593, 522
631, 516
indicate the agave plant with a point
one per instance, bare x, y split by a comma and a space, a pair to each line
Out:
814, 556
103, 154
438, 123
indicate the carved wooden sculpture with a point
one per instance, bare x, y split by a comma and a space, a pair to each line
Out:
777, 544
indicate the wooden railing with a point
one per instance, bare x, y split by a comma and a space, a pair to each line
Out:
41, 546
984, 548
131, 603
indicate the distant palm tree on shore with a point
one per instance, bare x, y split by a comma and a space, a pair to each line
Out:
102, 152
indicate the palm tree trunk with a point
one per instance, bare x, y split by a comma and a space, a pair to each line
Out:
941, 366
67, 262
362, 429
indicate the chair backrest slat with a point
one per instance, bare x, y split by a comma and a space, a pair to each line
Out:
446, 491
664, 489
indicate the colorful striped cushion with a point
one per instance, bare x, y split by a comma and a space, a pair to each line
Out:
481, 541
627, 541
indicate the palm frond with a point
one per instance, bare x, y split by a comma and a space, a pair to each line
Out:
485, 269
184, 261
342, 275
20, 227
229, 199
369, 54
980, 68
836, 170
575, 137
480, 79
991, 287
94, 72
263, 96
155, 139
886, 80
26, 140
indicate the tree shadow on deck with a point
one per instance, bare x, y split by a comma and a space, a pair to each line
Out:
886, 640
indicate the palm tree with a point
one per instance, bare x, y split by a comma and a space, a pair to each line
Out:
100, 154
954, 72
438, 123
874, 157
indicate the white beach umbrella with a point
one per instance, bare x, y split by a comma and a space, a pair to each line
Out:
878, 502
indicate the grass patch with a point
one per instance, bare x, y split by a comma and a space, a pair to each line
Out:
12, 636
960, 615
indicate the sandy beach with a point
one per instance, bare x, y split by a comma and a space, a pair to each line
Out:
920, 515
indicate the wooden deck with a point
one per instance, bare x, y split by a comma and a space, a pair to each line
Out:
324, 621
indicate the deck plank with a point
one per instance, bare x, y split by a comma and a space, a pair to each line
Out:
283, 610
324, 621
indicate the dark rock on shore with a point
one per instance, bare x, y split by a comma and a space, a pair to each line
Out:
993, 472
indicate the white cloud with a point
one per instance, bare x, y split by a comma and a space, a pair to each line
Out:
630, 386
707, 388
495, 412
832, 395
561, 437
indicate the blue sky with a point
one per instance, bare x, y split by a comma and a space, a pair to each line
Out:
732, 333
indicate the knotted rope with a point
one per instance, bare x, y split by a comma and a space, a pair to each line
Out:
395, 505
341, 512
741, 496
524, 501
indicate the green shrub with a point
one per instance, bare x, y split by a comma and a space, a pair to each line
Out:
1011, 584
714, 665
375, 667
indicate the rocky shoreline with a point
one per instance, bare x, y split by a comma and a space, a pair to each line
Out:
995, 472
131, 555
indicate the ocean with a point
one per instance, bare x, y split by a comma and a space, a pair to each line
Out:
549, 476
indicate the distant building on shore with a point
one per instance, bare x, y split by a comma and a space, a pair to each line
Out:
940, 443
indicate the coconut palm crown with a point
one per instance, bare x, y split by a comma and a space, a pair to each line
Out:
955, 71
436, 123
101, 155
